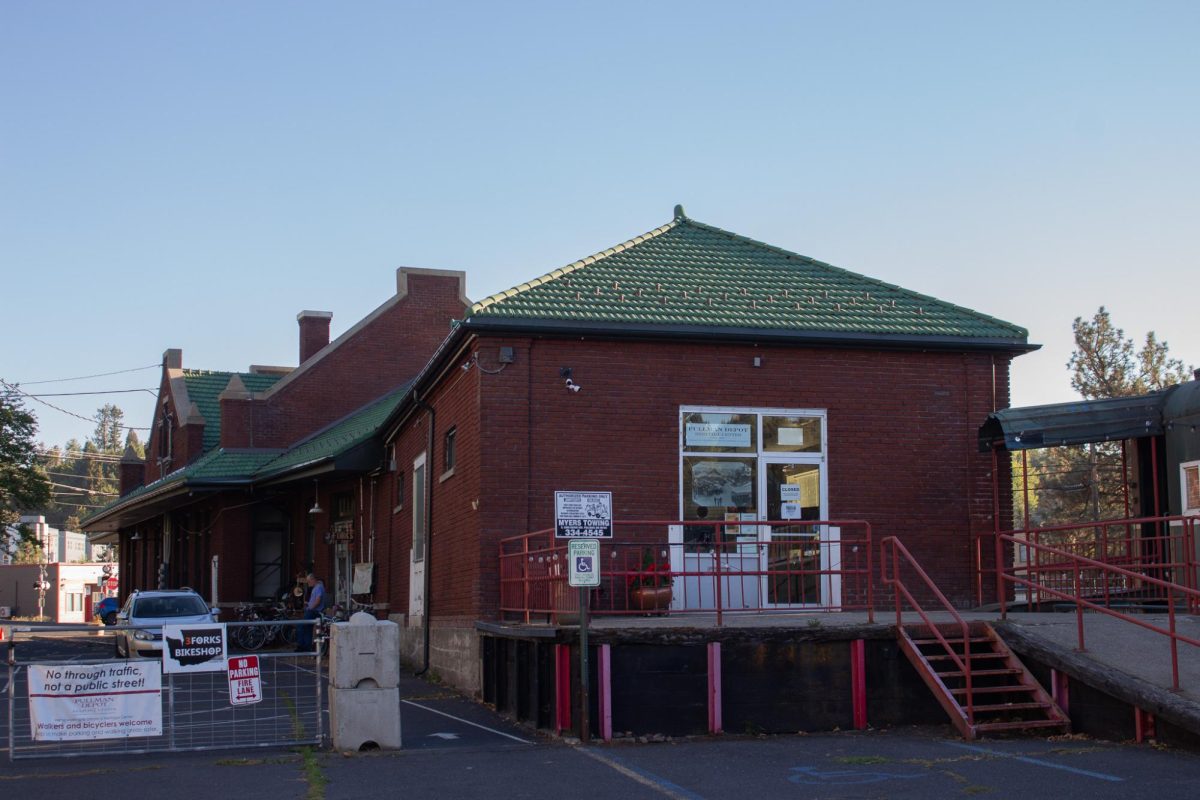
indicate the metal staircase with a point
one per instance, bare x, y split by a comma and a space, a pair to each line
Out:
972, 673
982, 686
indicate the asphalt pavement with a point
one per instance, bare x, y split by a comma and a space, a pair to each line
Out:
456, 748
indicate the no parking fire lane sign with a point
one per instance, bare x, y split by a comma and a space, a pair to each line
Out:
245, 682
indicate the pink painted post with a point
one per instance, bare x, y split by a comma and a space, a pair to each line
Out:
714, 687
604, 679
858, 682
1060, 690
562, 688
1143, 725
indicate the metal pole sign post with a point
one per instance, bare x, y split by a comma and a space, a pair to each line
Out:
583, 556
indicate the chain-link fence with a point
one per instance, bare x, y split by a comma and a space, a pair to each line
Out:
67, 695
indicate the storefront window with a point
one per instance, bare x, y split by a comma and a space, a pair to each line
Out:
735, 460
786, 434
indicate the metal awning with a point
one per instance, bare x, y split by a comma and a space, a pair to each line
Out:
1108, 420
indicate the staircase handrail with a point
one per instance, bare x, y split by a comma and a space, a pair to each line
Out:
900, 590
1078, 563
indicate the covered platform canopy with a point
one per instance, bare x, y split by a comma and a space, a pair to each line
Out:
1107, 420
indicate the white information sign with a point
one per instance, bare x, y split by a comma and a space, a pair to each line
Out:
200, 647
716, 434
584, 557
103, 701
583, 515
791, 511
245, 681
790, 436
789, 492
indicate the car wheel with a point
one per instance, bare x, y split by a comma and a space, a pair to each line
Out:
110, 618
117, 647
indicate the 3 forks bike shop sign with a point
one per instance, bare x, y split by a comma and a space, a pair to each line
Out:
200, 647
583, 515
104, 701
245, 681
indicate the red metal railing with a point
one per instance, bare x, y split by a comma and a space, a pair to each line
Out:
903, 593
697, 567
1158, 547
1096, 592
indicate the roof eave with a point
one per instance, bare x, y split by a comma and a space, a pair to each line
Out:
624, 330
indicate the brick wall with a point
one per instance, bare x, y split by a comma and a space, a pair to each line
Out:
901, 444
388, 350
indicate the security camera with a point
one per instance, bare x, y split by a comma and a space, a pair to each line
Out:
572, 385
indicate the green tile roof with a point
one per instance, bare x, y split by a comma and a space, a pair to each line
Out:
204, 389
686, 273
248, 466
339, 437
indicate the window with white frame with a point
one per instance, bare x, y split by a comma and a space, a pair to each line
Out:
1189, 477
726, 452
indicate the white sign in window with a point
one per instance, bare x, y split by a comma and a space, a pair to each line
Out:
717, 434
790, 436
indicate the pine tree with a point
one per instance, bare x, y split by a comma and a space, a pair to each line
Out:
23, 482
1083, 483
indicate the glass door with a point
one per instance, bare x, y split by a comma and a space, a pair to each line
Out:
795, 554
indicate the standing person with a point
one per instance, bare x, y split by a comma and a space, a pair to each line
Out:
312, 610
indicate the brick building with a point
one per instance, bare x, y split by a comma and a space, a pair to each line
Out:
689, 371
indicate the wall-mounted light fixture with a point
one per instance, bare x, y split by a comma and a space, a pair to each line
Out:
565, 373
316, 506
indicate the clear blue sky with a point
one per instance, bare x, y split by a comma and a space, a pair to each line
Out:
193, 174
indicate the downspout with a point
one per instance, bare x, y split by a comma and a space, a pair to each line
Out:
428, 532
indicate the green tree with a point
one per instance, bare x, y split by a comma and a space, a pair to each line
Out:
23, 483
1105, 364
1084, 483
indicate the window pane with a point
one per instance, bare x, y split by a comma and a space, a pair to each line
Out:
418, 482
792, 434
720, 432
1191, 482
717, 489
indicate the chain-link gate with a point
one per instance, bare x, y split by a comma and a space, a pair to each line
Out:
197, 712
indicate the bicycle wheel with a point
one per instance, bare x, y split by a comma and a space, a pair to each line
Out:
287, 634
253, 636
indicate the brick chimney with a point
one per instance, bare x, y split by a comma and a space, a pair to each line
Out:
133, 471
314, 332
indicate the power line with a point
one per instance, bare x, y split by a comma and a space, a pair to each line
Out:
65, 455
97, 375
77, 489
77, 394
63, 410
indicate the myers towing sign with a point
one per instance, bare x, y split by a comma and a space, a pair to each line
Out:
105, 701
583, 515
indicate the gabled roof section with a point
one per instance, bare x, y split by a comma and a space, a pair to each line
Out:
344, 435
686, 273
243, 467
204, 388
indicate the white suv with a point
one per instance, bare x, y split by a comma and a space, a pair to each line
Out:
154, 608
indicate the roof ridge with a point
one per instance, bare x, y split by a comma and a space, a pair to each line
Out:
825, 265
576, 265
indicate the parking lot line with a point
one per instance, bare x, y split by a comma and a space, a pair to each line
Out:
661, 785
1039, 762
468, 722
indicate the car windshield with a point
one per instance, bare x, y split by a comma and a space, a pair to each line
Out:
162, 607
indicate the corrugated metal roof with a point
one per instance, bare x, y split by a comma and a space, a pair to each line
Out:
1107, 420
